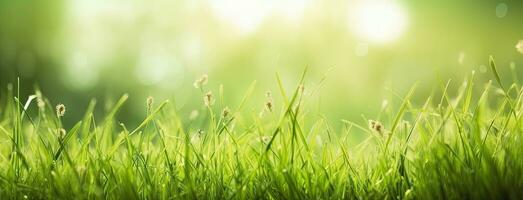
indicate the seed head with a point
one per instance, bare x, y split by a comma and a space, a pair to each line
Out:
201, 81
61, 133
268, 94
301, 88
519, 46
376, 126
208, 99
150, 101
60, 110
268, 104
40, 100
225, 112
196, 138
264, 139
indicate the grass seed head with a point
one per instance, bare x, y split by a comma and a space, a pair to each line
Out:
200, 132
201, 81
61, 133
225, 112
208, 99
269, 104
60, 110
40, 100
375, 126
150, 101
264, 139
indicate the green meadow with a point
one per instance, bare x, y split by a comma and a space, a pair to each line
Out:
261, 99
445, 147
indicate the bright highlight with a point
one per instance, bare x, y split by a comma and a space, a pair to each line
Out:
378, 21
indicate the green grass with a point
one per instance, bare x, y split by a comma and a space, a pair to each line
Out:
466, 146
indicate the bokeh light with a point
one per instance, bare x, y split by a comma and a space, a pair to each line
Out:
82, 49
378, 20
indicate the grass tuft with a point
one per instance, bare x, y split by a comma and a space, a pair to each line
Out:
466, 147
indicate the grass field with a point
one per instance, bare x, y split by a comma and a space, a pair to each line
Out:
465, 146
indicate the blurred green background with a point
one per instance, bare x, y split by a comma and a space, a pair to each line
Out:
81, 49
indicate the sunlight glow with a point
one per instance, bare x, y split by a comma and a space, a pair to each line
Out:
248, 15
378, 21
157, 66
82, 73
245, 15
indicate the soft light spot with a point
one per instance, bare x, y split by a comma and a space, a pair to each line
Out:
384, 104
151, 70
80, 73
153, 66
483, 69
192, 48
362, 49
519, 46
292, 10
501, 10
158, 66
461, 58
246, 15
378, 21
319, 141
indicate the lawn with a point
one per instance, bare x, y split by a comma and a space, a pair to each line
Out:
464, 146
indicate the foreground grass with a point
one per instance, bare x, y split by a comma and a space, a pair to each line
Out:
464, 147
